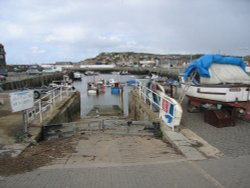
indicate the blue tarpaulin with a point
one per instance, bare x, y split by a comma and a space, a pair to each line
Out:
203, 64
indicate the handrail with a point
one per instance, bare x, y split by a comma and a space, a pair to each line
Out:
47, 102
170, 111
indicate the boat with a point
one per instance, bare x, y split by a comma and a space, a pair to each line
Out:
117, 88
154, 76
77, 76
96, 87
90, 73
132, 82
111, 82
151, 76
215, 82
124, 73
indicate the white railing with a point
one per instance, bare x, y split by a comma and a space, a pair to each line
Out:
170, 111
47, 103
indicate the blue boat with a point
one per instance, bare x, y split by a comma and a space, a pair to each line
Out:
133, 82
115, 90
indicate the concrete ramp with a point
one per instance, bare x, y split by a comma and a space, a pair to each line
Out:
93, 125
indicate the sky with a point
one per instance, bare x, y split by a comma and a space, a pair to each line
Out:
47, 31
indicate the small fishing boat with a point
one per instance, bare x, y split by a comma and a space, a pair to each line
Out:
111, 82
90, 73
132, 82
124, 73
117, 88
218, 81
96, 87
77, 76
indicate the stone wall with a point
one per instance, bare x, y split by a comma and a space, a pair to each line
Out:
35, 81
140, 111
69, 111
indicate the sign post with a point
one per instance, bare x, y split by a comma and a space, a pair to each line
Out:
21, 101
25, 121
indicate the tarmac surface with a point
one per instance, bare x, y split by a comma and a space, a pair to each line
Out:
229, 172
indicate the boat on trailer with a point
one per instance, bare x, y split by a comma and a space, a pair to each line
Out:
217, 82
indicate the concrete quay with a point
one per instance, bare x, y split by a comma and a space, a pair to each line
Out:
12, 138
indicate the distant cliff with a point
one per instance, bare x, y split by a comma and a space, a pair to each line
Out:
132, 58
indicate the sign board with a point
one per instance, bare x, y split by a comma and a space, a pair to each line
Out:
21, 100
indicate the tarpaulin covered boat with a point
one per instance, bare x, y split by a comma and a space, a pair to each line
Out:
214, 79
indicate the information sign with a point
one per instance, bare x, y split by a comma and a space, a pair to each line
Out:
21, 100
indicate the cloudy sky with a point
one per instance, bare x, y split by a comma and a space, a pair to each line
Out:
46, 31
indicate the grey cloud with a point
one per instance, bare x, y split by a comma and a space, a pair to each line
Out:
82, 28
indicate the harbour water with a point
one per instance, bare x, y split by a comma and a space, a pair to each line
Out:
89, 101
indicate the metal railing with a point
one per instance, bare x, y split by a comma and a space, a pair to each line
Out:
47, 103
169, 110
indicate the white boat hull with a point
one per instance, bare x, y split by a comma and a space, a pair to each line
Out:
92, 92
219, 93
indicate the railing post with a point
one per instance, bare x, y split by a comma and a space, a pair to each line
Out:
51, 102
40, 111
160, 107
74, 129
53, 98
67, 92
60, 93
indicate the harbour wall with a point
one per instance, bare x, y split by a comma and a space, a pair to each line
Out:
168, 72
67, 111
34, 81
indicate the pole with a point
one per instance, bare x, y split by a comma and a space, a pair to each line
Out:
121, 98
25, 121
40, 111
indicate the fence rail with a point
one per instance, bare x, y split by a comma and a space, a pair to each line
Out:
169, 110
47, 103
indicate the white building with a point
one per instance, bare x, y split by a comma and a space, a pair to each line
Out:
98, 66
147, 63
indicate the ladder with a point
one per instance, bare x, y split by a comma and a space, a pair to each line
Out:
186, 87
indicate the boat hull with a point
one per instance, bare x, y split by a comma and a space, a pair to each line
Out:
219, 93
92, 92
